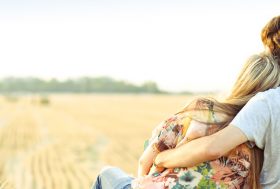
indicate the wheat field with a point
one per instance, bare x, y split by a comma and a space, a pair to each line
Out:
63, 144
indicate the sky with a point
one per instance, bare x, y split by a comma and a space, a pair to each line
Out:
185, 45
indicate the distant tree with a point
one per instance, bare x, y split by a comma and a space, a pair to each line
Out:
80, 85
150, 87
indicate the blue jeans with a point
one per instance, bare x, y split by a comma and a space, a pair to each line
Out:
112, 178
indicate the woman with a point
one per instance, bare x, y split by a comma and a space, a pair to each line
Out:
238, 169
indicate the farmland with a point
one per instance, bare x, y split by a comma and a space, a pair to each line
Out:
63, 143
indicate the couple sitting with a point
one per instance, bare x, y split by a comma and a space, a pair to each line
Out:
232, 143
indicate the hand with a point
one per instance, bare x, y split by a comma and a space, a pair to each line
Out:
156, 169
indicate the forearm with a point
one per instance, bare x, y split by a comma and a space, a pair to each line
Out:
202, 149
187, 155
146, 161
143, 169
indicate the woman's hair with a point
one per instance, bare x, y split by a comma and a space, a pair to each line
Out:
260, 73
271, 37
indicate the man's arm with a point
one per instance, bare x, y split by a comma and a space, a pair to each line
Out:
202, 149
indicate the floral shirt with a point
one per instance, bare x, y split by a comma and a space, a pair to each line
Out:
230, 171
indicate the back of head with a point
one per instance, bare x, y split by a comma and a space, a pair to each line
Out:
260, 73
271, 37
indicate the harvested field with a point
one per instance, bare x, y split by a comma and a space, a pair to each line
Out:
63, 144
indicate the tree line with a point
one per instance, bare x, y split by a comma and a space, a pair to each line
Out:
79, 85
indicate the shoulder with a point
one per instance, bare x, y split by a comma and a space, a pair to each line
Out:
263, 100
269, 100
267, 95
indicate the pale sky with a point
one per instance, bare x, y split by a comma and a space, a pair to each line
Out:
180, 44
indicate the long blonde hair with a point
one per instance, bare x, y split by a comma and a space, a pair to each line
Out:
260, 73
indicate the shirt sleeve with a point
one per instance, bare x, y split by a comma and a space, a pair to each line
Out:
254, 119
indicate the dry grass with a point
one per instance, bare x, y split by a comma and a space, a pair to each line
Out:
63, 145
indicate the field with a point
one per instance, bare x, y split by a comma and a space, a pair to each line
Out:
64, 143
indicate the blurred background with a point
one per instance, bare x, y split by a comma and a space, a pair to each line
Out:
83, 83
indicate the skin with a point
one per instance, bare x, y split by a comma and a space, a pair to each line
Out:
195, 130
202, 149
146, 161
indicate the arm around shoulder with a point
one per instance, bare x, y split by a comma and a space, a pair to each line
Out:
202, 149
225, 140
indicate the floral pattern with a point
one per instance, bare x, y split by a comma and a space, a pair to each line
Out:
230, 171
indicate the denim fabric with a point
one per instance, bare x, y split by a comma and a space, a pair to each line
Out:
113, 178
